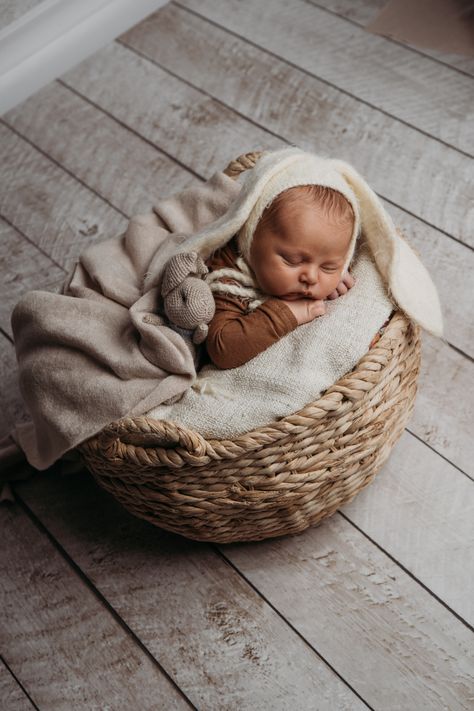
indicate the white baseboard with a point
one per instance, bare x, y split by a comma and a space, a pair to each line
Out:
55, 36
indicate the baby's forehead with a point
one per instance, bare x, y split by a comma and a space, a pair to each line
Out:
297, 201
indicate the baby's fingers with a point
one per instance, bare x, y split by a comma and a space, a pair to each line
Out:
348, 280
317, 308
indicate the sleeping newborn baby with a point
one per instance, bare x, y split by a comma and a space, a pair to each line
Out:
279, 257
297, 258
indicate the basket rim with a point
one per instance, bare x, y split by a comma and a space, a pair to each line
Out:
143, 433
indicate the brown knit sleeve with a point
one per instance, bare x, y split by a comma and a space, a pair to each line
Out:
236, 336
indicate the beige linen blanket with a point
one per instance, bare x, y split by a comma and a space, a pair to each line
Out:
98, 350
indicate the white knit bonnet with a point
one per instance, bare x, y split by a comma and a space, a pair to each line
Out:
407, 280
305, 169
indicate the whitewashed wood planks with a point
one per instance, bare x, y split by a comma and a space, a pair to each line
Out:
390, 639
444, 407
24, 267
364, 11
59, 640
380, 631
404, 84
404, 166
420, 510
11, 694
175, 117
221, 643
35, 190
117, 163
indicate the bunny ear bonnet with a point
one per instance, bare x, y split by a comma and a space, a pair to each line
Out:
407, 280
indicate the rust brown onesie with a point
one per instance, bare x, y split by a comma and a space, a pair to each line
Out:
236, 334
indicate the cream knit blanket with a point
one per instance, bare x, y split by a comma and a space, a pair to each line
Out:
292, 372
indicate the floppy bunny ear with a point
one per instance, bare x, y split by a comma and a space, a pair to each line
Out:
179, 267
409, 282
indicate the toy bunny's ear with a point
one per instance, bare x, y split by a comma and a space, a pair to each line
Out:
200, 267
409, 283
178, 268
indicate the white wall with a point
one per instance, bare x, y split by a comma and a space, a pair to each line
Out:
55, 35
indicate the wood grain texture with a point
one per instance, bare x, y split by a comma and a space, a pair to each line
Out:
54, 210
24, 267
403, 165
406, 85
364, 11
223, 645
444, 407
83, 140
359, 609
420, 510
12, 697
60, 641
110, 158
396, 644
194, 128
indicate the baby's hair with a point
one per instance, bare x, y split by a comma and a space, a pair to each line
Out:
331, 201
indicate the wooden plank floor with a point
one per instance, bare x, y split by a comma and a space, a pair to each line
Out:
375, 607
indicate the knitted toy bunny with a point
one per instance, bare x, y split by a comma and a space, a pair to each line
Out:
187, 299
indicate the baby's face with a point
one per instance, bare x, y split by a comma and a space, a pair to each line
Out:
304, 258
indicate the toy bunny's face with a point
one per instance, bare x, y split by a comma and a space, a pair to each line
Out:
187, 299
190, 304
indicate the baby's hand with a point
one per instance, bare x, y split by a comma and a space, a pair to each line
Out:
306, 310
346, 283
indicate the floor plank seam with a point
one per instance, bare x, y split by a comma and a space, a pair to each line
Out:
131, 130
407, 47
443, 456
324, 81
102, 599
461, 352
11, 127
181, 79
25, 236
7, 335
219, 552
14, 676
408, 572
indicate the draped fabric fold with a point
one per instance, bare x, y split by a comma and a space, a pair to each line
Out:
100, 349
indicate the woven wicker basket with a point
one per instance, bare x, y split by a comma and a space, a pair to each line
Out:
277, 479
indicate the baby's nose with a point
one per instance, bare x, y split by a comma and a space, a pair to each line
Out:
309, 276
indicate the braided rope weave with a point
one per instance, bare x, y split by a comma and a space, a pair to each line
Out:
278, 479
